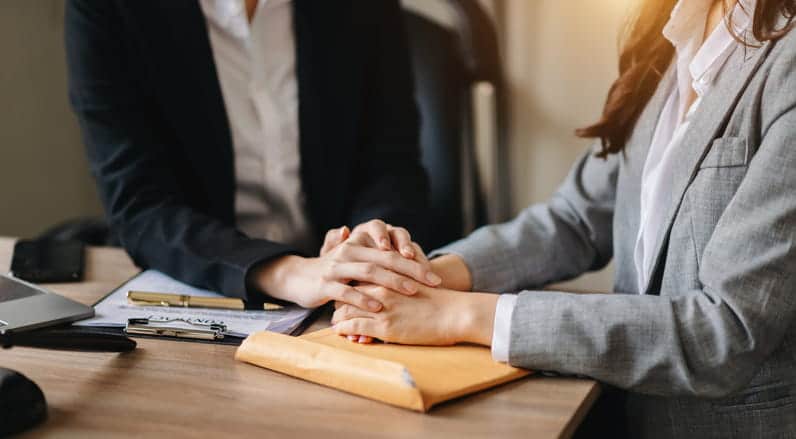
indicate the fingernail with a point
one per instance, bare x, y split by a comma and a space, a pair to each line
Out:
374, 305
409, 287
433, 278
352, 338
384, 243
408, 252
363, 339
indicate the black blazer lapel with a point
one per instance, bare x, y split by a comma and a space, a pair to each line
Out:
326, 71
183, 68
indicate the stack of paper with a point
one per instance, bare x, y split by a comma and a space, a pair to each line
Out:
413, 377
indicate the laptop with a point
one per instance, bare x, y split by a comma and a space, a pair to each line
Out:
24, 306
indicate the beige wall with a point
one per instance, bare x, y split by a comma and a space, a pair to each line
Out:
43, 175
560, 58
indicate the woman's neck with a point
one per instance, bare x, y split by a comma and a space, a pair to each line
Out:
251, 6
715, 18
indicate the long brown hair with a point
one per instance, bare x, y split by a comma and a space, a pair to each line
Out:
645, 55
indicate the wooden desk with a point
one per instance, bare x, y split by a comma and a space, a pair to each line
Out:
176, 389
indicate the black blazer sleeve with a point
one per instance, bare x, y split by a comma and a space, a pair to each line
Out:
392, 183
127, 143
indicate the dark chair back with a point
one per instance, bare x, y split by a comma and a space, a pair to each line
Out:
454, 65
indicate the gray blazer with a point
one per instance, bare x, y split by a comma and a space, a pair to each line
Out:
709, 349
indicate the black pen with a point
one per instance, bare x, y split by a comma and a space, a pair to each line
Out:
69, 339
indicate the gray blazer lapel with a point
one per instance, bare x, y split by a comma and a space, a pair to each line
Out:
709, 120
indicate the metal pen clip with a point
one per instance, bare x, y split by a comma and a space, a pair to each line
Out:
175, 327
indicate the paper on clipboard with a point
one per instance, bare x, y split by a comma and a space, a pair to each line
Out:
114, 310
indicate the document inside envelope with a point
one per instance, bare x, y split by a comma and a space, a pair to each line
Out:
413, 377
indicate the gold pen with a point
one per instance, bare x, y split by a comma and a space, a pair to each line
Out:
146, 298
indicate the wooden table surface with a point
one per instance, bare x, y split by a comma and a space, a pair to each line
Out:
180, 389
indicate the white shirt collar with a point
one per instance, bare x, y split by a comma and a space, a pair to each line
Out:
230, 15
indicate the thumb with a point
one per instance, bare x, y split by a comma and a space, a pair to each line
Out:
334, 237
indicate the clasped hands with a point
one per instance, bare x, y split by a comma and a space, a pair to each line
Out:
384, 287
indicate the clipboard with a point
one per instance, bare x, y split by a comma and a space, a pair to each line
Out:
191, 336
179, 328
188, 324
196, 331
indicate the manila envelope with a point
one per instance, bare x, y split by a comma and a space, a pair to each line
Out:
413, 377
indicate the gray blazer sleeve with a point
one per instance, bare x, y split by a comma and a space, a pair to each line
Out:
706, 342
558, 240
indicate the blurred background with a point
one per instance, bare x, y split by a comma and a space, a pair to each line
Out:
559, 57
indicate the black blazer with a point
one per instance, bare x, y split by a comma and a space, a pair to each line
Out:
143, 84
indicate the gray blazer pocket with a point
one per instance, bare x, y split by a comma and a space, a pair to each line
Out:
720, 174
727, 152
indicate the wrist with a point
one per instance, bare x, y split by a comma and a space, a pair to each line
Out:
454, 272
474, 319
271, 278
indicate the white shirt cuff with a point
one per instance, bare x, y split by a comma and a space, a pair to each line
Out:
501, 333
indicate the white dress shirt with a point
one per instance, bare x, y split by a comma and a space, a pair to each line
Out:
256, 66
698, 64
